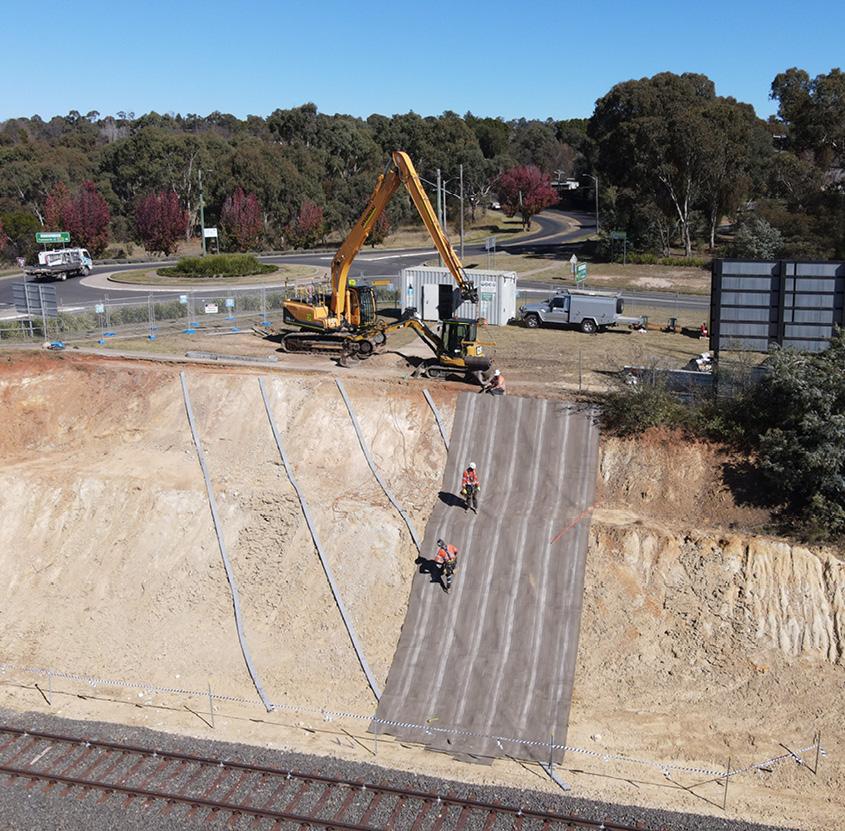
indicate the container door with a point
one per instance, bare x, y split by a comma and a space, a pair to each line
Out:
430, 300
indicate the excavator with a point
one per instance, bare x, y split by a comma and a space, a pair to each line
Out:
347, 322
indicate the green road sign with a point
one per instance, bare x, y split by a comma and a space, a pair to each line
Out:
580, 272
619, 235
52, 236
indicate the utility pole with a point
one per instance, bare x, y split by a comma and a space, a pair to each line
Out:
202, 214
439, 209
461, 168
598, 227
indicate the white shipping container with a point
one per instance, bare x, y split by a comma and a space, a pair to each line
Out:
427, 287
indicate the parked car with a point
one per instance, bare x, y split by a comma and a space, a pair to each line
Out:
589, 310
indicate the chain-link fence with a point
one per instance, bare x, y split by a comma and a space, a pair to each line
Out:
162, 313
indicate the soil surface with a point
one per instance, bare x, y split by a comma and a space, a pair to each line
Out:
700, 642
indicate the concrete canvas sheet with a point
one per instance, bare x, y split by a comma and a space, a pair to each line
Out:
487, 669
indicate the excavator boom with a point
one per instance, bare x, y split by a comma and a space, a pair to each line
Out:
350, 309
400, 171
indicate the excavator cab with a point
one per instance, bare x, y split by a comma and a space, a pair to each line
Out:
362, 306
456, 334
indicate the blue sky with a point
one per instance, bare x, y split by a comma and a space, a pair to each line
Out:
540, 59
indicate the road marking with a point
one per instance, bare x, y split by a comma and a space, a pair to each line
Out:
395, 256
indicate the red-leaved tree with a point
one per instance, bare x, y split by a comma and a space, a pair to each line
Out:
307, 228
86, 216
242, 220
160, 221
59, 209
524, 190
91, 219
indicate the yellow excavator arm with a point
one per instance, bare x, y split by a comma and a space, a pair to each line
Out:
401, 170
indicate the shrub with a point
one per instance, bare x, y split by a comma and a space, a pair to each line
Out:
654, 259
217, 265
757, 239
634, 408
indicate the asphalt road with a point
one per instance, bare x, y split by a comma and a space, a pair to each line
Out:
496, 655
557, 232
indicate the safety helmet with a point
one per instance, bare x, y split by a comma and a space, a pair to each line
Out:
441, 544
472, 465
498, 372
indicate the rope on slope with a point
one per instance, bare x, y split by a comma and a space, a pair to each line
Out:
347, 622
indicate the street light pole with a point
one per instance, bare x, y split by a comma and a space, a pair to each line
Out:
202, 213
596, 180
462, 211
439, 209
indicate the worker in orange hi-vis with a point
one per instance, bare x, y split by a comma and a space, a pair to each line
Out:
447, 559
470, 487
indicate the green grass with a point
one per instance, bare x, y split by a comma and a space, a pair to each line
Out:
217, 265
277, 274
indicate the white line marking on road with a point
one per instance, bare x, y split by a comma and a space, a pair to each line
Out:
394, 256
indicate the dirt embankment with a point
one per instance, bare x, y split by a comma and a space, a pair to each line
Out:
700, 641
113, 568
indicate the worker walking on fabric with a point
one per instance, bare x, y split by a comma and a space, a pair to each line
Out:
470, 486
447, 559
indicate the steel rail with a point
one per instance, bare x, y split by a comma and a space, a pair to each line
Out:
236, 808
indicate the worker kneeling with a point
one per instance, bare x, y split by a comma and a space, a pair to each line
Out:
470, 487
496, 385
447, 559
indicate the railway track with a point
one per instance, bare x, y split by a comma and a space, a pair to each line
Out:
250, 796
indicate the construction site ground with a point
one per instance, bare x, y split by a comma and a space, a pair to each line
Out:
545, 361
702, 641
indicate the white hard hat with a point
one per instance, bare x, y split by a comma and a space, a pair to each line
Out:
497, 372
472, 465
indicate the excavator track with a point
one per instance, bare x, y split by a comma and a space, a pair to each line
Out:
344, 344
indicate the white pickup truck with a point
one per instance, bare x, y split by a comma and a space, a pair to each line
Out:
61, 263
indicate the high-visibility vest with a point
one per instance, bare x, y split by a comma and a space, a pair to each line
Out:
470, 478
448, 554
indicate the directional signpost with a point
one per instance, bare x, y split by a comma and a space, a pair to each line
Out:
620, 236
45, 237
580, 273
490, 248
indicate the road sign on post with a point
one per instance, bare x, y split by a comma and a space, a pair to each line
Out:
52, 236
573, 261
619, 235
580, 272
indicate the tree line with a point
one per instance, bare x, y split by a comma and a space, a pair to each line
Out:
674, 161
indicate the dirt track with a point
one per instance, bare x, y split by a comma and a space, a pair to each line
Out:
698, 643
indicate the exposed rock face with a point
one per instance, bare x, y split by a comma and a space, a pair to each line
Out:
708, 595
